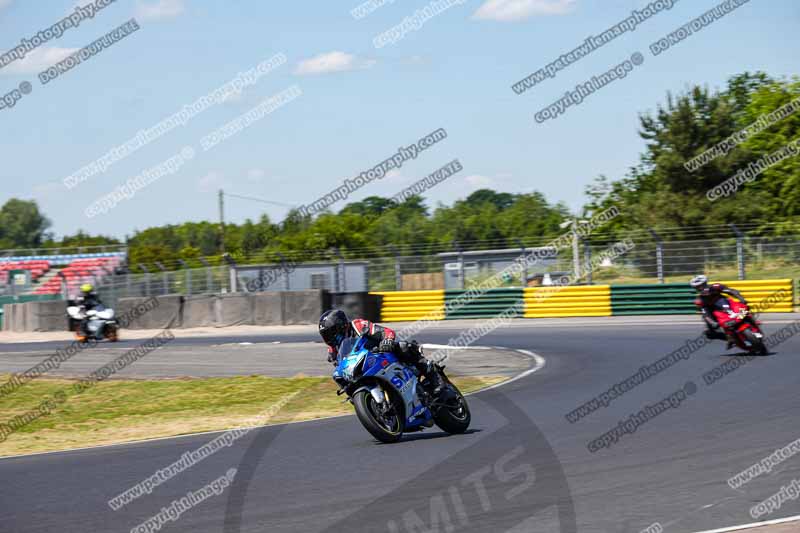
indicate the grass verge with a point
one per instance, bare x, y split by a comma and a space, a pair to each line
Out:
117, 411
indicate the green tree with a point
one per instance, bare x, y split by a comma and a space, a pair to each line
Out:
22, 225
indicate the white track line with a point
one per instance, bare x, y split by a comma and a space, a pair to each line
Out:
536, 357
750, 526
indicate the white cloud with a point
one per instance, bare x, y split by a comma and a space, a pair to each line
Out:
513, 10
212, 182
38, 60
478, 181
332, 62
256, 175
4, 3
394, 177
159, 10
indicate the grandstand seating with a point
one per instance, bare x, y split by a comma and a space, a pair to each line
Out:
37, 268
79, 271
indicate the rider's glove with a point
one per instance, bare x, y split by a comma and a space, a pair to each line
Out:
331, 356
386, 345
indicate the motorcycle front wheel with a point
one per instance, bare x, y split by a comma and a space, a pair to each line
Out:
757, 345
384, 425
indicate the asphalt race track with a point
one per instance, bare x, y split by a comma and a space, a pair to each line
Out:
522, 467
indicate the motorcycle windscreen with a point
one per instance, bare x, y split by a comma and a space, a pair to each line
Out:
350, 355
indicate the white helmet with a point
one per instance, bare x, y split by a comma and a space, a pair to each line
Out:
698, 281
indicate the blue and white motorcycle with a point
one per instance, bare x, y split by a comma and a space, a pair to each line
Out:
390, 399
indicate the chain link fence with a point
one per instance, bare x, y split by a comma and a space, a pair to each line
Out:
647, 261
187, 282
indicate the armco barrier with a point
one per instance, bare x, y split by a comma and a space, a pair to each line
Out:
565, 301
411, 305
661, 299
482, 305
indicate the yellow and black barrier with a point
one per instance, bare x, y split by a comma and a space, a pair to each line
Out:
403, 306
764, 296
569, 300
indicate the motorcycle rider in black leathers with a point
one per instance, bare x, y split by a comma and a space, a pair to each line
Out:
711, 297
335, 326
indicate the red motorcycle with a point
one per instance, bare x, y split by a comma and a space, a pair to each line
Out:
741, 326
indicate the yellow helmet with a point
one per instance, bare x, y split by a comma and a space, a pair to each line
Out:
87, 287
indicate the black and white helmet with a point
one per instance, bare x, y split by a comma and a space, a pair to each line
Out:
699, 282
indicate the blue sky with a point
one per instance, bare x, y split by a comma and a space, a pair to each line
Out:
358, 103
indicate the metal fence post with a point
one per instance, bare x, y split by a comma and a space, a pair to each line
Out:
576, 253
523, 275
164, 278
284, 262
339, 270
113, 292
209, 279
232, 279
187, 276
739, 250
64, 288
659, 254
461, 270
587, 265
146, 279
398, 274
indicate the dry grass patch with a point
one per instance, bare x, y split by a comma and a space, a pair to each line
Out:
117, 411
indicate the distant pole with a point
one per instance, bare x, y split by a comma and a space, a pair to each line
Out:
222, 220
587, 254
739, 250
209, 275
232, 274
187, 278
398, 273
576, 254
659, 254
284, 262
523, 275
146, 277
462, 275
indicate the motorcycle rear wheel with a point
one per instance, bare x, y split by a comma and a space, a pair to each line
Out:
385, 428
112, 333
453, 419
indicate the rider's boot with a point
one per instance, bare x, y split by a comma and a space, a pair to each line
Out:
731, 343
